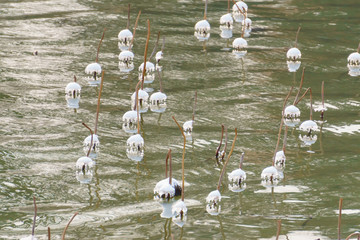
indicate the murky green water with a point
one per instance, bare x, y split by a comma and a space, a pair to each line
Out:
41, 138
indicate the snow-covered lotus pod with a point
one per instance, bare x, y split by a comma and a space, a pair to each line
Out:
73, 90
291, 112
125, 36
270, 177
188, 127
84, 169
130, 121
238, 16
143, 98
308, 126
72, 102
239, 47
247, 23
280, 160
293, 66
95, 148
213, 202
237, 180
293, 54
308, 139
226, 21
93, 69
174, 184
354, 64
158, 102
126, 61
226, 33
179, 212
202, 30
159, 56
135, 147
149, 72
166, 191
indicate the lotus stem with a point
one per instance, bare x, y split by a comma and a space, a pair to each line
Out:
278, 229
98, 103
281, 124
163, 44
166, 163
194, 108
205, 11
297, 35
134, 31
285, 139
155, 47
137, 109
136, 99
49, 234
339, 219
226, 141
170, 166
227, 160
301, 83
160, 81
183, 160
91, 141
241, 160
98, 49
145, 54
352, 235
74, 78
35, 214
221, 138
67, 226
322, 100
128, 18
228, 9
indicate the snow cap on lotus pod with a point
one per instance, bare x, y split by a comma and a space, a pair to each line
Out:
238, 16
237, 180
188, 126
291, 111
247, 23
158, 102
73, 90
280, 159
84, 171
93, 68
293, 54
202, 30
158, 56
135, 147
354, 64
130, 121
308, 125
95, 148
125, 36
270, 176
227, 21
84, 163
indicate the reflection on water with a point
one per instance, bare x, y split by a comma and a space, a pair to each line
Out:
41, 135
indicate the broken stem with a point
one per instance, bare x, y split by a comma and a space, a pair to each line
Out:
98, 103
98, 49
91, 141
221, 138
67, 226
297, 35
145, 55
35, 214
134, 31
183, 160
194, 108
227, 160
155, 47
301, 83
339, 219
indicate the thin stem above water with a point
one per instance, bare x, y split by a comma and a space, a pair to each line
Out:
98, 102
145, 54
98, 49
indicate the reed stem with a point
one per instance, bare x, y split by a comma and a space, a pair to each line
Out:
91, 141
35, 214
221, 138
145, 54
339, 219
227, 160
278, 229
98, 49
134, 31
98, 103
67, 226
183, 161
297, 35
128, 18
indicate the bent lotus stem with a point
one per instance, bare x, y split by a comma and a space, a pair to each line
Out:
166, 163
227, 160
241, 160
170, 166
281, 124
98, 49
128, 18
35, 214
195, 101
134, 31
91, 141
218, 148
352, 235
183, 160
226, 141
339, 219
307, 90
205, 11
285, 139
98, 102
278, 229
297, 35
155, 47
145, 55
301, 83
67, 226
322, 100
160, 81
